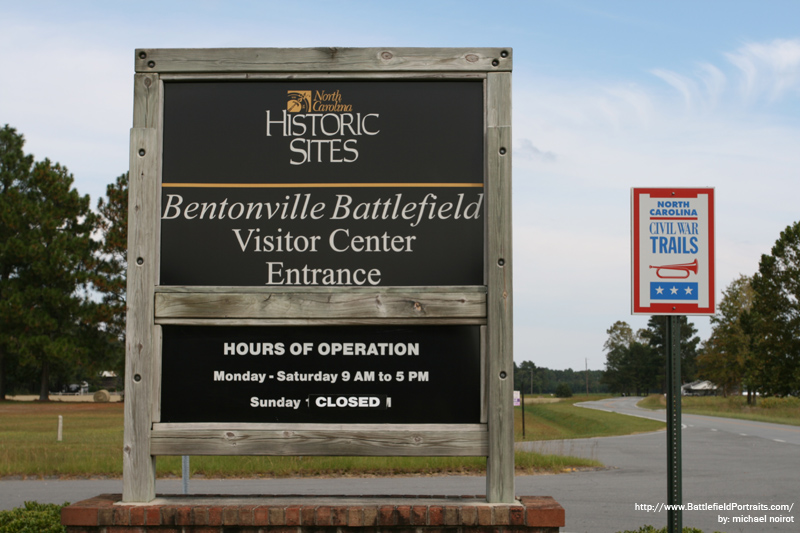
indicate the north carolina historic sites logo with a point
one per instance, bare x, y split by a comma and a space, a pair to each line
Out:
322, 125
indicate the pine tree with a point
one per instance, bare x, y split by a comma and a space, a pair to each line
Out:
111, 273
656, 336
775, 321
48, 256
726, 357
631, 364
15, 167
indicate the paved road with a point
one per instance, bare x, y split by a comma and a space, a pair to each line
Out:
724, 461
777, 432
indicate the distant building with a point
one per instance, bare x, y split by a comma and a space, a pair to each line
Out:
699, 388
109, 380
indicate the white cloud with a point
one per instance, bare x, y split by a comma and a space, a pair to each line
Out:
526, 150
680, 83
767, 72
714, 81
768, 69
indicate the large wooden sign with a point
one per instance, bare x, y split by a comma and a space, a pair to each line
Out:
320, 257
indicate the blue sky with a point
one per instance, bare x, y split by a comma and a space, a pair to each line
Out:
607, 95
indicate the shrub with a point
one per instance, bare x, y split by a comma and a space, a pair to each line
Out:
772, 402
563, 391
651, 529
33, 518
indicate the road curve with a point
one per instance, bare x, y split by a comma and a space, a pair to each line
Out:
777, 432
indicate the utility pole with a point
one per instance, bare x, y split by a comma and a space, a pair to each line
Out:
587, 375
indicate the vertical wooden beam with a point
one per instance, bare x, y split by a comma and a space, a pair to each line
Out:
146, 100
138, 465
500, 463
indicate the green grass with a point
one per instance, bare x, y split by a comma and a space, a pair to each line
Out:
775, 410
653, 402
92, 443
563, 420
276, 467
92, 446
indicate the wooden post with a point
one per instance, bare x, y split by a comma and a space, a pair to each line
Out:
138, 465
500, 379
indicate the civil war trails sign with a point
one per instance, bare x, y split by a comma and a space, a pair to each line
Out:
320, 256
673, 252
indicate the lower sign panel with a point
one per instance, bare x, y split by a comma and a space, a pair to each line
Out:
325, 374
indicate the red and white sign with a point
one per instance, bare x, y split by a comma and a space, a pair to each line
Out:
673, 251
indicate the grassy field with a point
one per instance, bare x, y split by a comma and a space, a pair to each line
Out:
776, 410
92, 444
562, 420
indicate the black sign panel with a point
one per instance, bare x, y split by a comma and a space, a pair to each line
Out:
323, 183
324, 374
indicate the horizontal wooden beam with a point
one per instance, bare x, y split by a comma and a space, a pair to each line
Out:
323, 59
332, 76
341, 304
316, 289
172, 440
321, 322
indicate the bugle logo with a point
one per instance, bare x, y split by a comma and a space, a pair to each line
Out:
323, 126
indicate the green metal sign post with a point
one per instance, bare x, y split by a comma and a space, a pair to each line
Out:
672, 275
674, 467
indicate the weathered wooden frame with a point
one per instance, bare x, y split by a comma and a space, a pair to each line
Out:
150, 305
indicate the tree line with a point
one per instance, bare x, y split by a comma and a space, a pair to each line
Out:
754, 346
530, 379
636, 361
62, 274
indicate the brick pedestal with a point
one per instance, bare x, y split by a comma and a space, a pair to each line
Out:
314, 514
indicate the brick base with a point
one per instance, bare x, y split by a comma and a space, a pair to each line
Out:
314, 514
